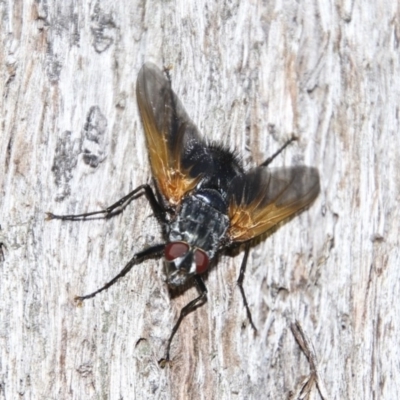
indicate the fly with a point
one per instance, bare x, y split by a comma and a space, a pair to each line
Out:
204, 200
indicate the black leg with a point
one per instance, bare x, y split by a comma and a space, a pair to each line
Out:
270, 159
117, 207
185, 311
2, 246
137, 258
240, 284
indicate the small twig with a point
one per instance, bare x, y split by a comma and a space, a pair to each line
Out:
308, 350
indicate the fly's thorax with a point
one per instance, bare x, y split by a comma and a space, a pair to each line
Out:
199, 224
195, 235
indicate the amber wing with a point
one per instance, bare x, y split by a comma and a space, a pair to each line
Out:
178, 156
262, 197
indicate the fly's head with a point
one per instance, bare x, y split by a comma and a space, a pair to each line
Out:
195, 236
183, 261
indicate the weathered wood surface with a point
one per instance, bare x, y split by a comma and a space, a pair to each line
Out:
249, 74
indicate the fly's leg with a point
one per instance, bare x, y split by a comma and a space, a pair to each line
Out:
136, 259
2, 246
185, 311
240, 284
118, 206
112, 210
270, 159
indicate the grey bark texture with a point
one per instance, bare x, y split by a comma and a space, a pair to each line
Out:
250, 74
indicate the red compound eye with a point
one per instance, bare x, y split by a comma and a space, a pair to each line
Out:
201, 259
175, 250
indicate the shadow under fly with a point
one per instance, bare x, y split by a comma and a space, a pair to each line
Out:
203, 198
